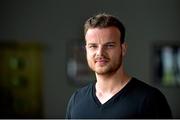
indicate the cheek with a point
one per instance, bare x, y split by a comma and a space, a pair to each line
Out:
116, 54
90, 59
89, 54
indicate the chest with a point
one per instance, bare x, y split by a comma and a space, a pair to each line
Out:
115, 107
103, 98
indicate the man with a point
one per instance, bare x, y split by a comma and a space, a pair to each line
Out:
115, 94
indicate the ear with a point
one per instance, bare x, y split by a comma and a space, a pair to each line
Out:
124, 49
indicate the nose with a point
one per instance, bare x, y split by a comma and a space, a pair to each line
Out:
100, 51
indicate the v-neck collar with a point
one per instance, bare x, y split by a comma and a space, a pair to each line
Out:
113, 98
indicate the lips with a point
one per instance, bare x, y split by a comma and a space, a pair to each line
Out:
101, 61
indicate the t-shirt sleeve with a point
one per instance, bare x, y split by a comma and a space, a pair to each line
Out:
156, 106
69, 106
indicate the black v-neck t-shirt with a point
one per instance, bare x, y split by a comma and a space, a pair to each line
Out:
136, 100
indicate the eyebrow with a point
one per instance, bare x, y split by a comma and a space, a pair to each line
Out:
104, 43
110, 43
91, 44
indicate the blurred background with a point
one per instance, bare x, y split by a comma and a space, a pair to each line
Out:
42, 59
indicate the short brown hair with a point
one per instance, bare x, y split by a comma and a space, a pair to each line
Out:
104, 20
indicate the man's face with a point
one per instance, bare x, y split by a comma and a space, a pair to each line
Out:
104, 50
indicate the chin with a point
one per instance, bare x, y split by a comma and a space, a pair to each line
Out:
101, 71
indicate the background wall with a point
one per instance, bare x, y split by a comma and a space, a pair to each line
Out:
56, 22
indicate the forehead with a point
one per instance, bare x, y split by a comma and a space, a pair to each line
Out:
109, 34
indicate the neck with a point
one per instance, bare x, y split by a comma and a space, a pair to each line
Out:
112, 82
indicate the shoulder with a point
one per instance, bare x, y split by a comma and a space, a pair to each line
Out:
82, 92
154, 101
143, 87
144, 91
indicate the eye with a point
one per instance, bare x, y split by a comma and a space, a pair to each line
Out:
110, 45
92, 46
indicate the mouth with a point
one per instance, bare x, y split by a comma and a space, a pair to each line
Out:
101, 61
